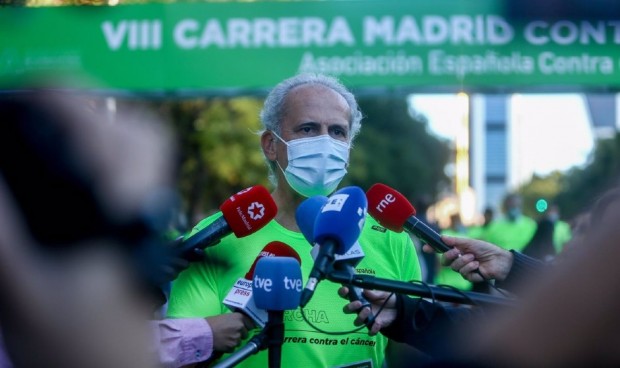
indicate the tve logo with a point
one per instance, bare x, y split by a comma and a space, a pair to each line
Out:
264, 284
292, 284
277, 283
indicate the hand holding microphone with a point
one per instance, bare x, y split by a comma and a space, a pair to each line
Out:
392, 210
381, 312
276, 287
472, 255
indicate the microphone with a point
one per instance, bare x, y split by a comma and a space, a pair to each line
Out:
305, 215
243, 213
240, 297
393, 211
336, 228
277, 287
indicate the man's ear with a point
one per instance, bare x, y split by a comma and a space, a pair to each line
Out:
268, 143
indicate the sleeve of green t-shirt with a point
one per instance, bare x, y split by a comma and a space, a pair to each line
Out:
402, 257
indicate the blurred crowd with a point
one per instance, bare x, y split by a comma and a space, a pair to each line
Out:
542, 238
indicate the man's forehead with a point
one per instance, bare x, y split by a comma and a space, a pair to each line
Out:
316, 103
315, 91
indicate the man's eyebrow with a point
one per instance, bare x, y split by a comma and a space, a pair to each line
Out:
344, 126
309, 122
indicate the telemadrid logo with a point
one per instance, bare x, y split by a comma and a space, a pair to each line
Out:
256, 211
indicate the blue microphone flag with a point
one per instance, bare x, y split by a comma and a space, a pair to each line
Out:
342, 218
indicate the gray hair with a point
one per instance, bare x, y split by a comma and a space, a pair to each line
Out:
273, 107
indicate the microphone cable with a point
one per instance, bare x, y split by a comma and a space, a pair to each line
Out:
433, 301
489, 282
366, 324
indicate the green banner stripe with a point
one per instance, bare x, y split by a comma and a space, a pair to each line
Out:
237, 45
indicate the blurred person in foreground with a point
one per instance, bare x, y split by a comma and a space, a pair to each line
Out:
309, 124
84, 206
567, 315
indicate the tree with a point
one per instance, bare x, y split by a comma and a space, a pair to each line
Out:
575, 191
581, 186
219, 149
540, 187
396, 149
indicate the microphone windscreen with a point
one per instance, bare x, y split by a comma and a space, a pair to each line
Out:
306, 214
277, 283
342, 218
389, 207
249, 210
273, 249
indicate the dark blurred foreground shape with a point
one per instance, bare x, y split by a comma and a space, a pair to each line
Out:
79, 197
569, 317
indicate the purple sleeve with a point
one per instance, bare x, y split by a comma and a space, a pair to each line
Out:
182, 341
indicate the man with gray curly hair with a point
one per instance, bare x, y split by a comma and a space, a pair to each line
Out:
309, 125
274, 106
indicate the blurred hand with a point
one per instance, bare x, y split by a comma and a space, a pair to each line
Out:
469, 255
229, 329
178, 259
376, 298
162, 263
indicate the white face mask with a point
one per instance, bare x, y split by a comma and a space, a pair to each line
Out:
316, 165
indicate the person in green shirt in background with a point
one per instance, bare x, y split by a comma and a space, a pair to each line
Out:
447, 276
513, 230
477, 231
562, 232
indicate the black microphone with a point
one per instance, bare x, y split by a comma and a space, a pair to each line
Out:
257, 343
242, 214
336, 229
392, 210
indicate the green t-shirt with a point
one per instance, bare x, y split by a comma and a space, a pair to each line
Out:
510, 234
561, 235
446, 275
476, 232
199, 291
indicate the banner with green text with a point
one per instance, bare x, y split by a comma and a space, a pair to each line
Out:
189, 47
